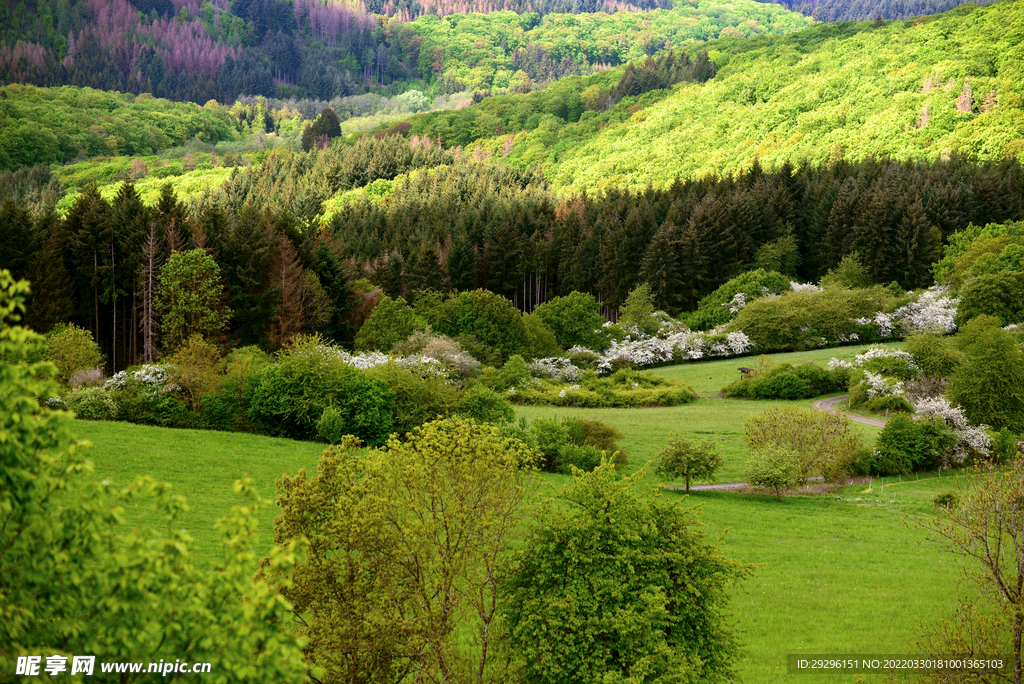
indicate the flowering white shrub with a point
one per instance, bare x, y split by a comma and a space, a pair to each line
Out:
803, 287
880, 386
560, 369
152, 375
932, 312
739, 300
969, 437
56, 403
874, 353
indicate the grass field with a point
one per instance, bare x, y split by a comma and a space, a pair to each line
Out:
837, 573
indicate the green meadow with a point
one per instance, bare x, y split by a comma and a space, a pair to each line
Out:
844, 572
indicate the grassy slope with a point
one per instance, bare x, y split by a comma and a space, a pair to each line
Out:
836, 574
847, 89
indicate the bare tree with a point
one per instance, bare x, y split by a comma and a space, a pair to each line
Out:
286, 272
985, 527
148, 272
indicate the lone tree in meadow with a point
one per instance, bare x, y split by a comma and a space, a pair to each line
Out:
683, 459
616, 587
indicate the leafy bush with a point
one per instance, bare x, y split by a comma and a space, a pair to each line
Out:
807, 319
391, 321
418, 399
71, 348
574, 319
787, 381
538, 341
906, 445
570, 442
624, 388
722, 305
821, 441
890, 404
331, 426
91, 403
484, 405
193, 369
934, 355
773, 466
87, 376
488, 317
289, 397
1005, 446
999, 294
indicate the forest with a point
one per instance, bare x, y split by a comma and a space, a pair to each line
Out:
323, 50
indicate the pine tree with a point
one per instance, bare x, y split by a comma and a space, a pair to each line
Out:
660, 270
246, 256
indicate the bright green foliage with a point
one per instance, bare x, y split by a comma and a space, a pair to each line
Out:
972, 243
91, 403
800, 320
1004, 446
718, 307
849, 273
684, 459
119, 596
488, 317
484, 405
574, 319
989, 384
999, 294
614, 587
70, 349
189, 295
831, 90
803, 381
825, 443
405, 544
538, 340
391, 322
289, 397
636, 312
907, 444
573, 443
513, 374
48, 125
934, 355
418, 399
773, 466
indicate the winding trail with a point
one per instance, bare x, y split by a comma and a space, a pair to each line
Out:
828, 405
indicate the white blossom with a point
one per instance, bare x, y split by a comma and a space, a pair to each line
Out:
739, 300
803, 287
560, 369
879, 386
932, 312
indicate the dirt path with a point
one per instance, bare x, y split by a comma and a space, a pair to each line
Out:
828, 405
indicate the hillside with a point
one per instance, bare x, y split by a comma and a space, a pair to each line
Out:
918, 90
311, 49
861, 10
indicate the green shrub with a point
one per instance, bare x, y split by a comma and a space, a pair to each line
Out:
945, 500
1004, 446
331, 426
490, 318
92, 403
934, 355
289, 397
891, 404
789, 382
624, 388
571, 442
906, 445
417, 399
585, 360
688, 460
484, 405
574, 319
713, 310
71, 349
773, 467
538, 341
582, 456
999, 294
513, 374
391, 321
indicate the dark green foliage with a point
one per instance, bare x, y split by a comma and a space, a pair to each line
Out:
489, 317
484, 405
573, 443
999, 294
613, 580
787, 381
906, 445
989, 384
935, 355
417, 399
322, 131
663, 72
